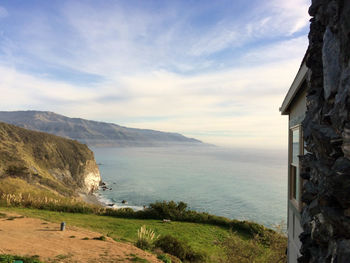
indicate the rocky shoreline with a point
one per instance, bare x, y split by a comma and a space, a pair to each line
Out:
91, 199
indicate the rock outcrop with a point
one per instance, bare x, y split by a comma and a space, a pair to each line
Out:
44, 160
326, 166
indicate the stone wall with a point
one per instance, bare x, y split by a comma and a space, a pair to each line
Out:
326, 168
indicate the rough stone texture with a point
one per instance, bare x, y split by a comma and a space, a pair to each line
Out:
92, 177
326, 167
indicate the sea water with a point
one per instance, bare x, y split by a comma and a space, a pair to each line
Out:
235, 183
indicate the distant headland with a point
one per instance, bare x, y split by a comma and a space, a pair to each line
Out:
93, 133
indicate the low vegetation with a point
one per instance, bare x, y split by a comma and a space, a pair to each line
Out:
165, 258
212, 242
247, 251
145, 238
159, 210
12, 258
179, 249
267, 243
102, 238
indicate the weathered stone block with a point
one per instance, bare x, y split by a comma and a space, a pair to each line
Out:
331, 67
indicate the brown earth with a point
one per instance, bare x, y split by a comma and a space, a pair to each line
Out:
28, 237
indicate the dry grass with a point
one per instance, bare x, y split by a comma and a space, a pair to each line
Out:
255, 249
31, 156
55, 203
145, 238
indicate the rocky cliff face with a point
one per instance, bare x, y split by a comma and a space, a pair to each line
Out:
91, 176
43, 160
326, 168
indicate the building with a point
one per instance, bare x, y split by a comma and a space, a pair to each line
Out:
294, 105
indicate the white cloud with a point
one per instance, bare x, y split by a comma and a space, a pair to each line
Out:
294, 13
139, 58
231, 107
270, 19
276, 17
116, 41
3, 12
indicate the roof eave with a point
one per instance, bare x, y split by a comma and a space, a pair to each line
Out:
293, 90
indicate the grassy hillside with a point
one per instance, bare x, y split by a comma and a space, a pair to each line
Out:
212, 241
41, 164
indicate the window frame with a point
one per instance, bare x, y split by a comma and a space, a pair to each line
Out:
294, 168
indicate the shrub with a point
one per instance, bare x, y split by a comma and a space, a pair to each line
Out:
169, 210
14, 170
164, 258
177, 248
254, 250
102, 238
145, 238
12, 258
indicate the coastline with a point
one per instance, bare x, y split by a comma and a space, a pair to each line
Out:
92, 199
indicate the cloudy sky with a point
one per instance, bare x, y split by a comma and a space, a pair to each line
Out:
214, 70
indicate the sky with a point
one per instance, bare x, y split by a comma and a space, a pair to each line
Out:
213, 70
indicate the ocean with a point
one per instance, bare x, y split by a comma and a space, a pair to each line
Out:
236, 183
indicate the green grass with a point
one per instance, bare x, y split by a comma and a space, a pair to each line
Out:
134, 258
4, 258
201, 237
3, 215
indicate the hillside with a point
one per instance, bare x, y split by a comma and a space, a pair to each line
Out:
92, 132
32, 162
29, 237
213, 241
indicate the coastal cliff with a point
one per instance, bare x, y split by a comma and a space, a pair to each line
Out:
40, 161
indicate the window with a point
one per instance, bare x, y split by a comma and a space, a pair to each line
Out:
296, 149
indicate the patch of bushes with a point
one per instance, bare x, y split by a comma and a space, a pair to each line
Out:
19, 171
102, 238
177, 248
254, 250
164, 258
11, 258
135, 258
168, 210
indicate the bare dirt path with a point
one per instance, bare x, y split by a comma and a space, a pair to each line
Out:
29, 236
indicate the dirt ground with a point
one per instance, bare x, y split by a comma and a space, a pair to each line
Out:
28, 236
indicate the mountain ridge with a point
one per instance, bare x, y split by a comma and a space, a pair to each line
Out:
91, 132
